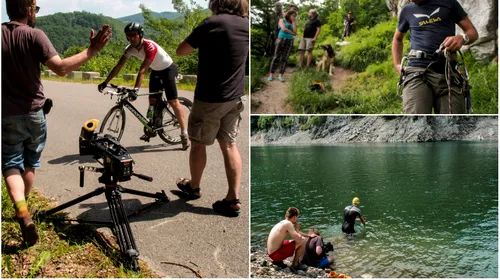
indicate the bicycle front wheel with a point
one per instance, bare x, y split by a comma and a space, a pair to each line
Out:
114, 122
170, 131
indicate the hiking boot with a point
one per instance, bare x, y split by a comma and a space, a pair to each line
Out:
28, 230
185, 142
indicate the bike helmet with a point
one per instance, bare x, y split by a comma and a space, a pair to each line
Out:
134, 27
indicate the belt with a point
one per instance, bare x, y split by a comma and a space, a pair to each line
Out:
420, 54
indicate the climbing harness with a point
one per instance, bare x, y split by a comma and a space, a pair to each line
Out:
459, 68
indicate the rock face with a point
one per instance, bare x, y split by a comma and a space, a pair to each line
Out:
351, 129
484, 16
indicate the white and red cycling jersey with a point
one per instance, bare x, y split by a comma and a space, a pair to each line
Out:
152, 51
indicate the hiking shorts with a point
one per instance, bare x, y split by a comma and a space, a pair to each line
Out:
210, 121
422, 94
306, 44
23, 140
285, 251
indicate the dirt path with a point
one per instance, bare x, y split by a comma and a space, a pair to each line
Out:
340, 76
271, 99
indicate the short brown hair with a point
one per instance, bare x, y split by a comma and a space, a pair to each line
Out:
235, 7
315, 231
16, 9
291, 212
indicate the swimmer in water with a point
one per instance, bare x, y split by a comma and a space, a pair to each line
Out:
351, 213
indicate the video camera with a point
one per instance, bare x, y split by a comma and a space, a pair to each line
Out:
327, 247
115, 158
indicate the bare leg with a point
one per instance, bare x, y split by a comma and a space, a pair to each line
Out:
197, 163
309, 58
232, 163
301, 58
15, 184
179, 113
298, 252
29, 179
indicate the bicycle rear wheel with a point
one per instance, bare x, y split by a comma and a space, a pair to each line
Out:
114, 122
171, 130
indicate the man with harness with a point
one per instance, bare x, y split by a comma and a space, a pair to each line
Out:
433, 79
163, 75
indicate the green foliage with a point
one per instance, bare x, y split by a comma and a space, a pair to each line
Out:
73, 29
368, 46
259, 68
265, 122
306, 101
314, 121
288, 122
484, 83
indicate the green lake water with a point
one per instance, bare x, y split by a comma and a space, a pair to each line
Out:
431, 208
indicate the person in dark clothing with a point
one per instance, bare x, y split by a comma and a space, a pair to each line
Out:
313, 254
351, 213
311, 33
432, 25
24, 126
219, 97
348, 22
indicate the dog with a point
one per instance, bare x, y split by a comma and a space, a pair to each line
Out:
327, 60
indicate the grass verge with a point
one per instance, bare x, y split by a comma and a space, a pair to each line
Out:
69, 251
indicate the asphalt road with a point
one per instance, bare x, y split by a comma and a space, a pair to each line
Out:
186, 232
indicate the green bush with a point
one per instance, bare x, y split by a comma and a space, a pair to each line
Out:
484, 85
368, 46
260, 67
265, 122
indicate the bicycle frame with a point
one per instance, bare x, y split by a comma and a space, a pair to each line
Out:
123, 102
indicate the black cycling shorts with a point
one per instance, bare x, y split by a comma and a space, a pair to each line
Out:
164, 80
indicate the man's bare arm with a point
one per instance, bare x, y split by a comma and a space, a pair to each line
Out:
397, 50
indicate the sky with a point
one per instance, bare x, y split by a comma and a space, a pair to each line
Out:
111, 8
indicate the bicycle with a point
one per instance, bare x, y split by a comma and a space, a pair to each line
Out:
114, 121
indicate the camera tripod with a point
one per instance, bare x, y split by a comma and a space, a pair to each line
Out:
119, 224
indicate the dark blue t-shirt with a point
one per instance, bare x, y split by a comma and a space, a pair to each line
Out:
429, 23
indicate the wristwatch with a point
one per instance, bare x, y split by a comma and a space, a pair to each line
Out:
466, 38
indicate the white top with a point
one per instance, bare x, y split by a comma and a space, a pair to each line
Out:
152, 51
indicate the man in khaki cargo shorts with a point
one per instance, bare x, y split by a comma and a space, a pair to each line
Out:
222, 40
431, 23
311, 33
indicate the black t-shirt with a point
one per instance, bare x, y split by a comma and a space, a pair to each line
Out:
310, 257
223, 49
349, 20
311, 27
350, 214
429, 24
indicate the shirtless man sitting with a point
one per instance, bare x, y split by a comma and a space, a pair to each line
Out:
278, 248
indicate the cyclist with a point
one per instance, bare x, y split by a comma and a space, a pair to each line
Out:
163, 74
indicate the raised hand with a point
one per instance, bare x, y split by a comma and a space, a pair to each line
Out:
99, 41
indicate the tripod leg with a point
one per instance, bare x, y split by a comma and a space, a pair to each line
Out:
122, 229
160, 196
96, 192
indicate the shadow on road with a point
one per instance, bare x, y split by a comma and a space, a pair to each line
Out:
78, 159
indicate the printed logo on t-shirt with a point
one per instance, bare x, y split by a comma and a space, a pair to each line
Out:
429, 20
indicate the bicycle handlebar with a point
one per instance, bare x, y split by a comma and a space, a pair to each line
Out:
118, 90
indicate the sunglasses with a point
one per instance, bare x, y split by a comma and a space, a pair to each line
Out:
37, 9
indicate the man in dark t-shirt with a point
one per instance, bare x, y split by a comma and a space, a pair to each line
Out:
431, 24
348, 22
311, 33
24, 127
351, 213
313, 254
222, 40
